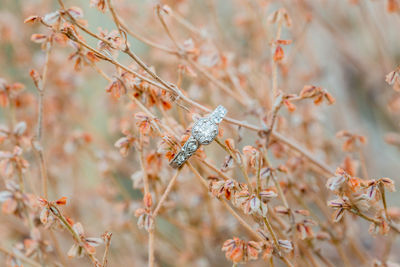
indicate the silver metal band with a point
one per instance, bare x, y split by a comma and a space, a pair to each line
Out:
188, 149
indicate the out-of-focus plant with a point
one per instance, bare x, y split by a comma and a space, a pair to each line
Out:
263, 193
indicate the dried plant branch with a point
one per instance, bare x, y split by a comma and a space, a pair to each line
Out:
165, 194
107, 237
56, 212
20, 257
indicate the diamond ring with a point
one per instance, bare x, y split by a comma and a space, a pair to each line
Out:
204, 132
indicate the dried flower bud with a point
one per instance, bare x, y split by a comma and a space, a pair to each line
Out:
147, 200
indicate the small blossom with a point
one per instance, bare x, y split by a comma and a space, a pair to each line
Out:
47, 213
250, 204
303, 212
52, 19
167, 146
9, 92
352, 141
317, 93
374, 187
114, 41
280, 15
144, 123
237, 250
281, 210
223, 188
267, 252
340, 204
145, 220
304, 229
99, 4
88, 243
250, 156
124, 144
380, 227
388, 184
335, 183
11, 161
115, 88
287, 245
75, 12
268, 194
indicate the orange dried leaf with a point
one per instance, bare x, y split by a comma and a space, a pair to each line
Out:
308, 91
38, 38
31, 19
279, 54
92, 56
284, 42
289, 105
61, 201
230, 143
331, 100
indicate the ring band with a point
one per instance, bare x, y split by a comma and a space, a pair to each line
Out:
204, 131
188, 149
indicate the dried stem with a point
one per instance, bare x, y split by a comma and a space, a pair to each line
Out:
20, 257
165, 195
107, 237
272, 233
56, 212
239, 162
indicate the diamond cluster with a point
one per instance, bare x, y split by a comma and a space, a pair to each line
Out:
205, 130
218, 114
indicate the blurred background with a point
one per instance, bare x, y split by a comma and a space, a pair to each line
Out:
345, 46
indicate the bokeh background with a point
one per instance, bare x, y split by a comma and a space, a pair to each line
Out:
345, 46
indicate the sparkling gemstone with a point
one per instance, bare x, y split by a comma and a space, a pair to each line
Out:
205, 130
218, 114
191, 146
181, 157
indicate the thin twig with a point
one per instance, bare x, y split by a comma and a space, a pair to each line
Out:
107, 237
20, 257
57, 213
239, 162
166, 192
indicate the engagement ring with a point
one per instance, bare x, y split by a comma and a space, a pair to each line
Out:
204, 132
